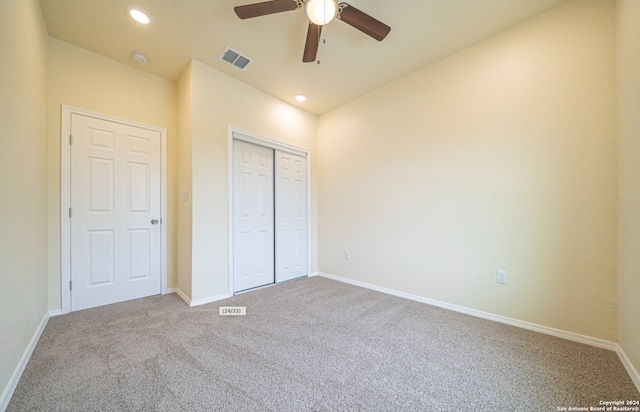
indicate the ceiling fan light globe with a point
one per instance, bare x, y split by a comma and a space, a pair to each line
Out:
321, 12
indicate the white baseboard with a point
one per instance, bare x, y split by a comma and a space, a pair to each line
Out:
631, 370
210, 299
169, 290
312, 274
55, 312
17, 373
203, 301
600, 343
183, 296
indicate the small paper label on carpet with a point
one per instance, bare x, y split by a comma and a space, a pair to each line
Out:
233, 310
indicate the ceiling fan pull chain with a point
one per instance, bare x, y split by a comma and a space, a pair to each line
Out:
324, 41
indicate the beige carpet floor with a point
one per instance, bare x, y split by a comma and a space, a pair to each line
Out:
312, 344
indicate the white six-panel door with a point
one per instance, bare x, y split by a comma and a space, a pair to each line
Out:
291, 216
115, 212
253, 216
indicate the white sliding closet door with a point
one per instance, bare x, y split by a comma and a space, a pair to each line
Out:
270, 214
291, 216
253, 216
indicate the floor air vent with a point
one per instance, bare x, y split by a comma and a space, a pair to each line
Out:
236, 58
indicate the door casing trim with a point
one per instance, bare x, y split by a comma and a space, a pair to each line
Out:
65, 196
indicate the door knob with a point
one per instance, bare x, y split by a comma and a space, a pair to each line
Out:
154, 221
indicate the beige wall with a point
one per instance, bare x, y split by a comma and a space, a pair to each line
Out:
23, 180
185, 120
219, 101
89, 81
501, 156
628, 106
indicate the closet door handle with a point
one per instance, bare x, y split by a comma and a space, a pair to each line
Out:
154, 221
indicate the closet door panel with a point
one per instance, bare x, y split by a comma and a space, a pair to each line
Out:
290, 216
253, 216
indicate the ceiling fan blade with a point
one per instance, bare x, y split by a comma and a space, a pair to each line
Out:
311, 45
363, 22
267, 7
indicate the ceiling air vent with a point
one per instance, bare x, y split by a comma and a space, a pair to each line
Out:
236, 58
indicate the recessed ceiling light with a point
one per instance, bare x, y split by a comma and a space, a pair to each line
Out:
139, 57
139, 15
301, 97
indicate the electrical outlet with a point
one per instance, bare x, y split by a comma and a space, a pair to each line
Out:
501, 276
347, 255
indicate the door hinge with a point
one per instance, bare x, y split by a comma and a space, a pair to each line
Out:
70, 139
70, 283
69, 212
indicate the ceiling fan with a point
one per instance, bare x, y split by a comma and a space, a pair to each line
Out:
319, 13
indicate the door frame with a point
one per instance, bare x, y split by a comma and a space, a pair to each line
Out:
65, 196
235, 133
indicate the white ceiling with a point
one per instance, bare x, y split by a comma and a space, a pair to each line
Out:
352, 64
